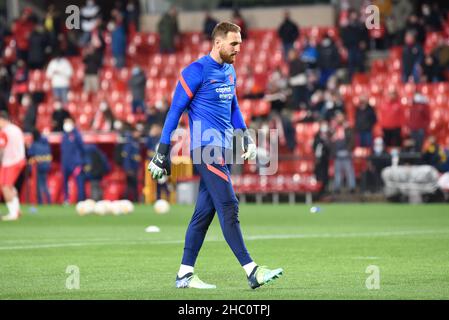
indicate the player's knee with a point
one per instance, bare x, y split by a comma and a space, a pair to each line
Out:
231, 212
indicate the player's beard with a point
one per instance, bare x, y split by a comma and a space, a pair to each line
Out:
227, 58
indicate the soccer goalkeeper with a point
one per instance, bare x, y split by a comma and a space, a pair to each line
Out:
206, 88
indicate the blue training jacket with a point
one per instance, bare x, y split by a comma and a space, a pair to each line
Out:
72, 149
207, 90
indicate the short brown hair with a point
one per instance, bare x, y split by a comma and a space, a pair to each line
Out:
222, 29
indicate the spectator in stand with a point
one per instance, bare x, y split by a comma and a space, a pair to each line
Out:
412, 57
137, 85
441, 54
310, 53
391, 118
328, 59
4, 31
92, 62
341, 146
208, 25
89, 15
432, 19
418, 120
277, 90
53, 25
355, 39
40, 154
298, 78
73, 159
156, 115
365, 119
104, 119
97, 40
5, 80
379, 159
39, 48
21, 30
414, 25
131, 163
322, 150
435, 155
59, 71
29, 121
430, 69
58, 116
288, 32
96, 167
332, 105
168, 31
20, 83
238, 19
132, 16
118, 39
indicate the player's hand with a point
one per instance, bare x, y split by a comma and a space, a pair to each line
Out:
249, 147
160, 165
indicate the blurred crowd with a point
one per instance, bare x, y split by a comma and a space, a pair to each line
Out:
308, 81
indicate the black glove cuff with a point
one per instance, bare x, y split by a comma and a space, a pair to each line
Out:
163, 149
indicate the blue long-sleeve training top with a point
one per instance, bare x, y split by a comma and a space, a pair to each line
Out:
207, 90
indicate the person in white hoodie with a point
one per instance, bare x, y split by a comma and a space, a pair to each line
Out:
59, 71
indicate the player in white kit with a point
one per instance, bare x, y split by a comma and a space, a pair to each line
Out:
12, 162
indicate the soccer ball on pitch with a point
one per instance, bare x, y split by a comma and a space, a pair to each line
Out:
85, 207
161, 206
116, 208
126, 206
101, 208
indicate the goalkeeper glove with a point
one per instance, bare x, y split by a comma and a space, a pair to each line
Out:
249, 147
160, 164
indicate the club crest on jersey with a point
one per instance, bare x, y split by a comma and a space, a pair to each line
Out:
231, 78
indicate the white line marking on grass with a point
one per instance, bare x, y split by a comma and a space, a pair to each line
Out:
216, 239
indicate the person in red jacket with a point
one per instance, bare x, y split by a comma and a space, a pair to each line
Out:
418, 120
21, 30
391, 119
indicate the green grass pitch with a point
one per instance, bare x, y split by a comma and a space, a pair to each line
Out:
325, 255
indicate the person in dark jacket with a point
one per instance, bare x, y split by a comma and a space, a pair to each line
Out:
58, 116
298, 78
322, 150
168, 31
118, 40
131, 163
365, 119
371, 179
341, 149
355, 39
39, 47
328, 59
412, 57
414, 25
288, 31
209, 25
97, 166
137, 85
29, 121
73, 158
40, 154
92, 61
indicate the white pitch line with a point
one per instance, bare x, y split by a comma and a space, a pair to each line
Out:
216, 239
